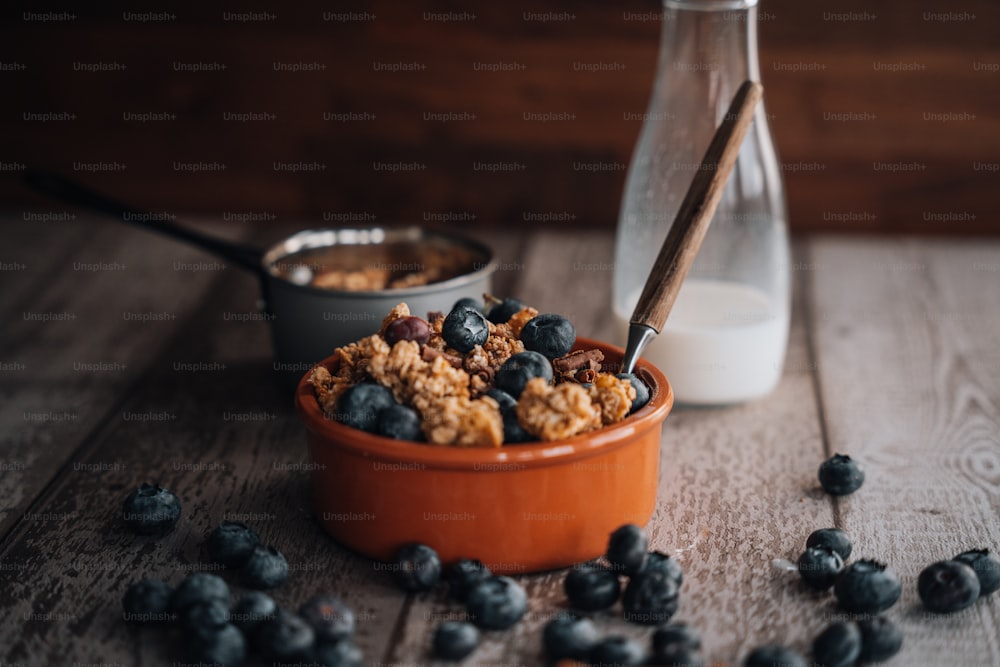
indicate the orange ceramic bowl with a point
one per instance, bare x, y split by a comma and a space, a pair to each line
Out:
518, 508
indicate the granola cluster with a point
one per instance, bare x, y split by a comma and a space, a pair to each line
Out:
448, 388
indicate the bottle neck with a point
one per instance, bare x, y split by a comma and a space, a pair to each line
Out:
707, 49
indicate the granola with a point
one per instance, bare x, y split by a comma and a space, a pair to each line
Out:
448, 389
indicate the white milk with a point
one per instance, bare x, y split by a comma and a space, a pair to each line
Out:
723, 342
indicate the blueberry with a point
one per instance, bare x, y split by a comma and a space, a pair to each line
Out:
496, 603
591, 588
453, 640
223, 646
266, 568
569, 636
833, 539
231, 543
503, 311
252, 609
617, 650
841, 475
399, 422
552, 335
987, 568
151, 510
627, 548
330, 617
344, 653
947, 586
650, 598
512, 429
285, 637
867, 587
147, 601
463, 575
641, 391
464, 328
520, 368
839, 645
657, 560
360, 405
676, 635
880, 639
468, 302
199, 587
418, 568
820, 567
774, 655
407, 328
205, 618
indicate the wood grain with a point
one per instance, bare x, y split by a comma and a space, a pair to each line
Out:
911, 390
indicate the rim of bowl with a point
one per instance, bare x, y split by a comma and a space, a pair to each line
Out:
484, 458
329, 237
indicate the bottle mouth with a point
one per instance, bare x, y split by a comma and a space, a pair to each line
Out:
710, 5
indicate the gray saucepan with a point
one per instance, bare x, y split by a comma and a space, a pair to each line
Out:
308, 321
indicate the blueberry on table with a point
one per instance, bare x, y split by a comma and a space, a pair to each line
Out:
591, 588
360, 405
657, 560
651, 598
464, 328
147, 601
252, 609
496, 603
947, 586
463, 575
841, 475
454, 640
231, 543
569, 637
867, 587
266, 568
833, 539
820, 567
400, 423
627, 548
512, 429
418, 568
839, 645
550, 334
880, 639
774, 655
199, 587
205, 618
344, 653
641, 390
151, 510
330, 617
676, 635
519, 368
223, 646
407, 328
617, 650
503, 311
987, 568
284, 638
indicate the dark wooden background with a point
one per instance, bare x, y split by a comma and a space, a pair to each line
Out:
814, 64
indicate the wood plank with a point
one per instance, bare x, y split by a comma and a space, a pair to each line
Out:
71, 372
736, 490
908, 363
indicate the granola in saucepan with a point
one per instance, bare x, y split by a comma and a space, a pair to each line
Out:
447, 374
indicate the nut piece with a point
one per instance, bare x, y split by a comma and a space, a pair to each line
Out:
613, 395
551, 413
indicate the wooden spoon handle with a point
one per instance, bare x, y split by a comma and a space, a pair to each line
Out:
695, 214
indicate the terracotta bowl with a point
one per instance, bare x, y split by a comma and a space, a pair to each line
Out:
518, 508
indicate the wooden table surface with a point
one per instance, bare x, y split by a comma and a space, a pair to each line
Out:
122, 361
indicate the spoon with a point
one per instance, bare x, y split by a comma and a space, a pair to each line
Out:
692, 220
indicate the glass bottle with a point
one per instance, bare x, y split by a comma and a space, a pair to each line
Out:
724, 341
